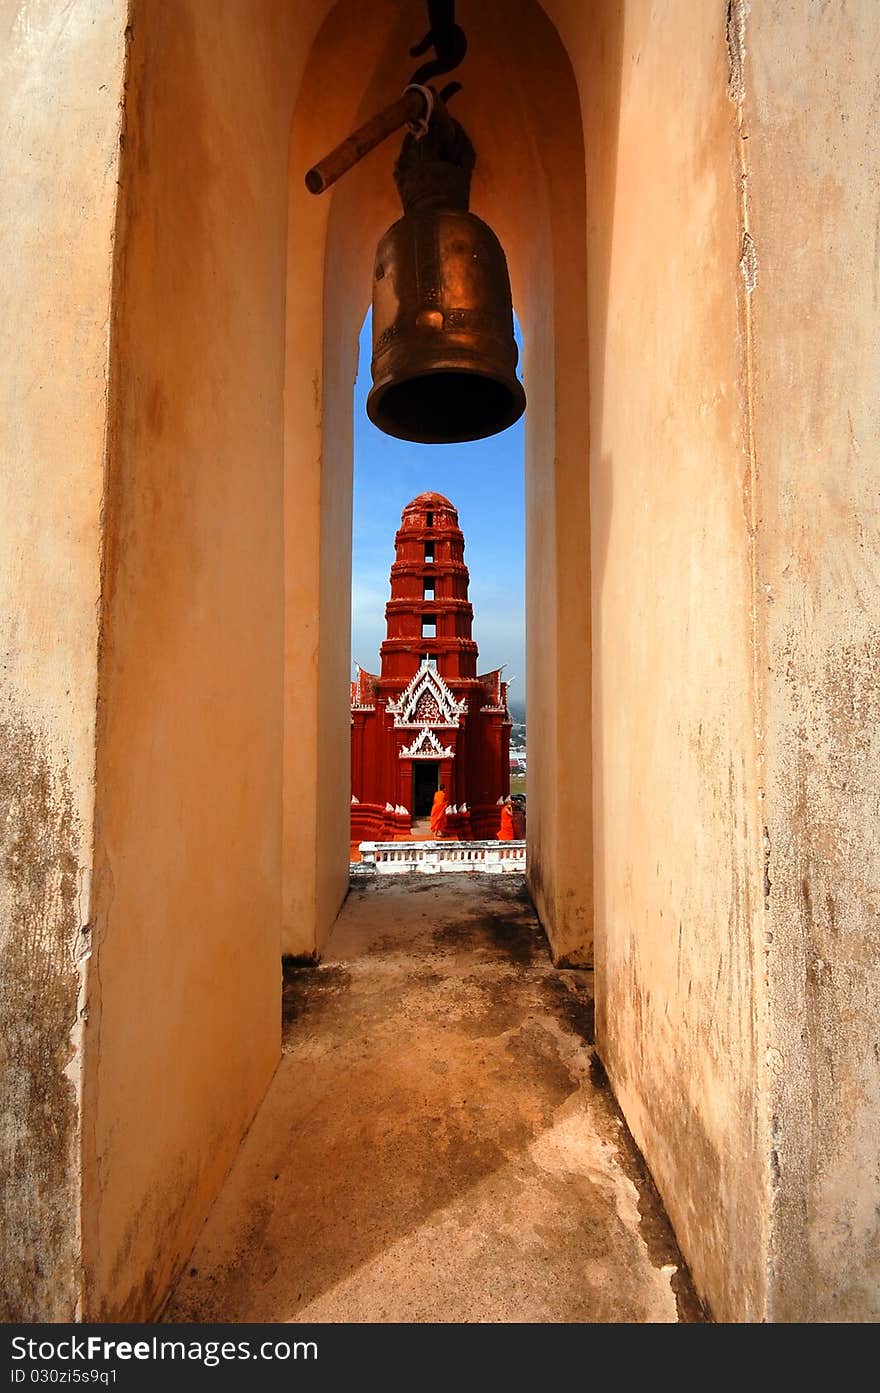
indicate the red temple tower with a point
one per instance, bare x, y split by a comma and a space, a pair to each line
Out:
428, 718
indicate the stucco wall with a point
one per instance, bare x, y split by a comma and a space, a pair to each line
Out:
184, 1017
810, 111
734, 439
678, 892
60, 87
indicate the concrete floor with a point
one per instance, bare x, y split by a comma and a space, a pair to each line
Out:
438, 1143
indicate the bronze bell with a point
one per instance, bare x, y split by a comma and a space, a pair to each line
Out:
444, 355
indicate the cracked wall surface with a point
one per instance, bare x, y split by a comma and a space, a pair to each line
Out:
734, 425
812, 101
675, 807
60, 91
183, 1030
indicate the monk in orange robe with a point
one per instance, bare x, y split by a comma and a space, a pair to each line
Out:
438, 813
505, 831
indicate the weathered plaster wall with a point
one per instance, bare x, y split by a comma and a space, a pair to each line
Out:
810, 113
675, 802
60, 88
183, 1030
734, 441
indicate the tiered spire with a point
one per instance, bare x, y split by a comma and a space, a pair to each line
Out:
429, 616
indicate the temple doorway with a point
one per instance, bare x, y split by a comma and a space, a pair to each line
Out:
426, 781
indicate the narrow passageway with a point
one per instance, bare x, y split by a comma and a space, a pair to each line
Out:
438, 1143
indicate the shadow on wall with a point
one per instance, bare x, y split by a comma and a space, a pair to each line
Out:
600, 103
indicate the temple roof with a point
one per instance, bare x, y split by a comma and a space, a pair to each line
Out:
363, 688
495, 689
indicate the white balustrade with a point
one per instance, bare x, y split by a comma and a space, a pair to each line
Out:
394, 858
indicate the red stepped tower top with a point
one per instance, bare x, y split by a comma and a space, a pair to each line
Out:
429, 616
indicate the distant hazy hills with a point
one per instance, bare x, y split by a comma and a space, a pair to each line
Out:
517, 709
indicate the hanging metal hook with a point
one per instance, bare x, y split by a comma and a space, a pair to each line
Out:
449, 43
413, 109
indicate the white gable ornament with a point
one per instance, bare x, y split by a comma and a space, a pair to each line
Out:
427, 701
426, 746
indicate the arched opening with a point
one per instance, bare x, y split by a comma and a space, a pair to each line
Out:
529, 186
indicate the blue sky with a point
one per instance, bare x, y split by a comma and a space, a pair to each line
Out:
484, 479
